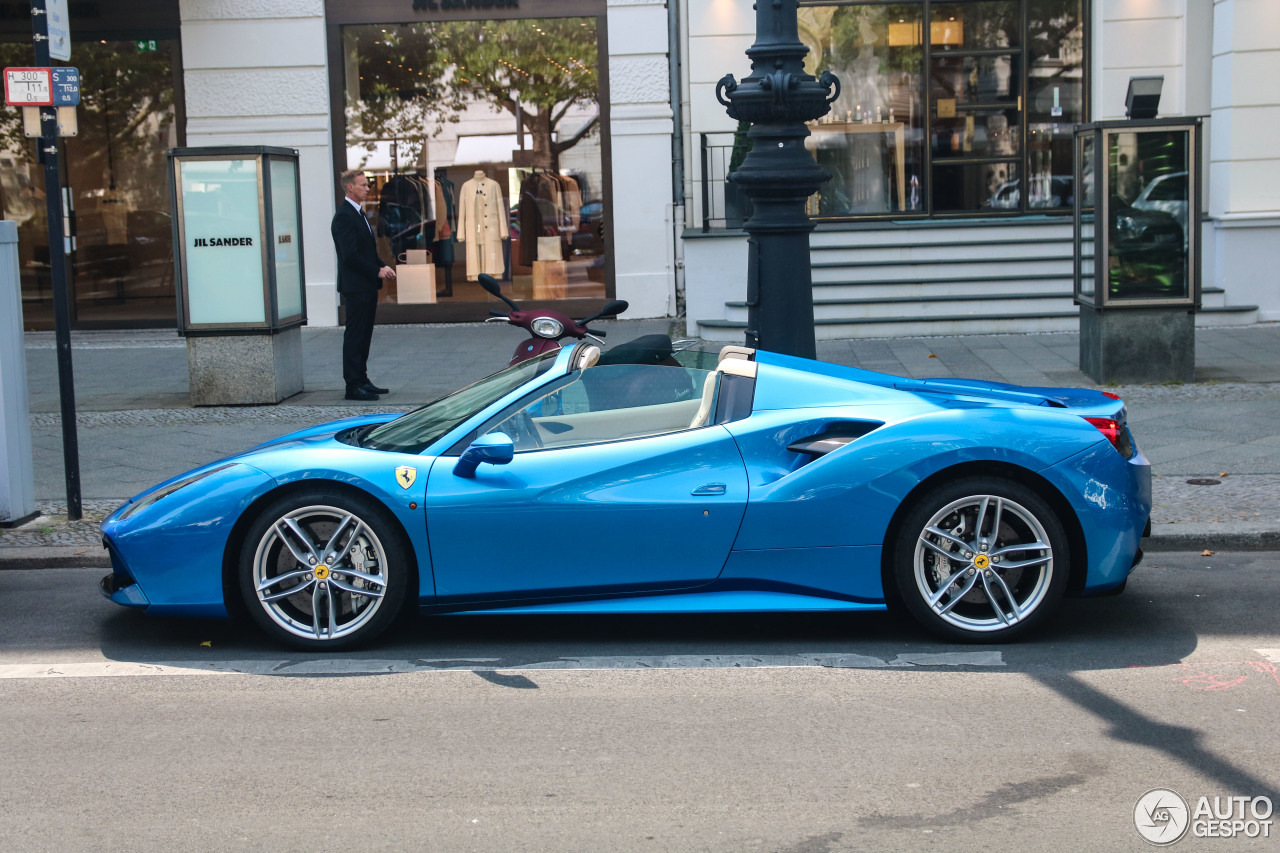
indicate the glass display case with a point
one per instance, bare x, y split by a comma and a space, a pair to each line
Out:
237, 231
1140, 178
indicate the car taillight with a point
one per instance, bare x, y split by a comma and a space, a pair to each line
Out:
1115, 433
1112, 396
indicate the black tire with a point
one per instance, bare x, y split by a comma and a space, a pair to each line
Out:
976, 585
288, 572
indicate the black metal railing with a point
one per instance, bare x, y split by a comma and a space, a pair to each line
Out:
723, 205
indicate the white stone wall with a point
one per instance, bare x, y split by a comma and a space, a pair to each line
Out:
1244, 169
640, 126
256, 73
717, 34
1136, 38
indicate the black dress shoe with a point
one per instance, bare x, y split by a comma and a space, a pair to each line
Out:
373, 389
361, 393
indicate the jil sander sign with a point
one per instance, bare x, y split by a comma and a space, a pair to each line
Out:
222, 241
449, 5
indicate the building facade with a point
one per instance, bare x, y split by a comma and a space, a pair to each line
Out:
950, 207
950, 148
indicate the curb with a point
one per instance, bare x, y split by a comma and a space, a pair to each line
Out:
54, 557
1223, 536
1187, 537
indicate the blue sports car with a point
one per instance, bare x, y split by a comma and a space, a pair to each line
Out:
747, 481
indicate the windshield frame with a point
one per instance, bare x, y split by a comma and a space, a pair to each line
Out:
435, 424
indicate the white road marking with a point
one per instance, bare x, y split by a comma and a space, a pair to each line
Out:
364, 666
1272, 655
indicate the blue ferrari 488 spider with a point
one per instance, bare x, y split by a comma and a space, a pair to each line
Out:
745, 482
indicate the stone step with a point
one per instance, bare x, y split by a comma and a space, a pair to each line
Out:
921, 289
990, 232
1066, 319
942, 269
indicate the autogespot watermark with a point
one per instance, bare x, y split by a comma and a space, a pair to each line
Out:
1163, 817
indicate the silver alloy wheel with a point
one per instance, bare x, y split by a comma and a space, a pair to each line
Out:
983, 563
320, 572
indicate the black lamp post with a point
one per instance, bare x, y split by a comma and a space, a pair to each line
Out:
779, 175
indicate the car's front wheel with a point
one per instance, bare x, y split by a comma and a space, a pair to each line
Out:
320, 570
982, 559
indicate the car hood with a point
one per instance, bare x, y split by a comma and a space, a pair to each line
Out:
316, 435
321, 431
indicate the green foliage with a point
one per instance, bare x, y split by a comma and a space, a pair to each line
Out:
855, 29
741, 146
415, 77
550, 64
1050, 23
126, 108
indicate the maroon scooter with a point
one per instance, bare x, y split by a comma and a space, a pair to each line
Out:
546, 328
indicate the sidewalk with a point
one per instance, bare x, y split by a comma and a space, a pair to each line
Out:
136, 426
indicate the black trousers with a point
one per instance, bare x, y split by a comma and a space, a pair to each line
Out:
361, 308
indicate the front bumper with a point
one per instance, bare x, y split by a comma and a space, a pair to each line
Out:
167, 555
119, 586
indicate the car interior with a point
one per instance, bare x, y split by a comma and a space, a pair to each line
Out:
613, 402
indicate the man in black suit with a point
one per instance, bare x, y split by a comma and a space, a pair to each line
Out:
360, 277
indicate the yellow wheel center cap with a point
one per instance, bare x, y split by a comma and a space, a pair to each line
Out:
322, 571
981, 561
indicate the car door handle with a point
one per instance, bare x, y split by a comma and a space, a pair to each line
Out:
709, 489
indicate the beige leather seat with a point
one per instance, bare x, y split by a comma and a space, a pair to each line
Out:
708, 405
730, 362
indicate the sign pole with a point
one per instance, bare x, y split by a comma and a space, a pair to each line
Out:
48, 156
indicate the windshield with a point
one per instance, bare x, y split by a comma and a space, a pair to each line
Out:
418, 429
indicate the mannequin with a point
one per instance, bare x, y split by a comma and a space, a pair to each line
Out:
482, 225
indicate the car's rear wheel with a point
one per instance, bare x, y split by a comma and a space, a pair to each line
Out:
983, 559
320, 570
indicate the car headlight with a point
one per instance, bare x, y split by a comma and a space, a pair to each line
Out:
139, 505
546, 327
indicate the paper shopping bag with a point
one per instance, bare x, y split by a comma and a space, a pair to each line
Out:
415, 283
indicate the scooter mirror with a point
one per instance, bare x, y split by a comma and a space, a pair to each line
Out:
615, 307
490, 284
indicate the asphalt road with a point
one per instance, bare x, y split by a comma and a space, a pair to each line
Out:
728, 733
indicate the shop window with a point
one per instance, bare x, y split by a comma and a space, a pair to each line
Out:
872, 140
120, 272
962, 106
482, 142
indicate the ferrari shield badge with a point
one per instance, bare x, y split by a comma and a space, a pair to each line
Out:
406, 475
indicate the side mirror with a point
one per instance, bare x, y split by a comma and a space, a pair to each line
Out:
496, 448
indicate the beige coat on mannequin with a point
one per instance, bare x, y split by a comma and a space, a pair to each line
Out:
482, 225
